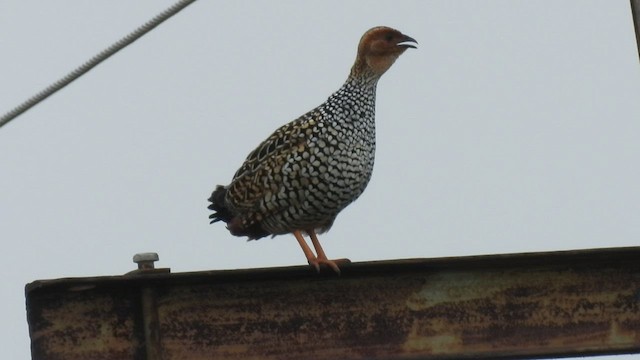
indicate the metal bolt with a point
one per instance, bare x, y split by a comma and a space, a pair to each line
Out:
145, 260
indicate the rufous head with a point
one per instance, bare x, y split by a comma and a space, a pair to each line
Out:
378, 50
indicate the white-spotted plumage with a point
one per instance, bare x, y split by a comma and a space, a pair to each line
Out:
307, 171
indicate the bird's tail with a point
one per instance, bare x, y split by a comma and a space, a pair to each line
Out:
218, 205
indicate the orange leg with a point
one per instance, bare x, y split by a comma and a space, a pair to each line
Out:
311, 258
314, 260
322, 257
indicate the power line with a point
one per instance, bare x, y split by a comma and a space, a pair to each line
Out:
635, 13
94, 61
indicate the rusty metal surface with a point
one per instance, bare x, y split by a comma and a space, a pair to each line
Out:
510, 306
151, 323
84, 321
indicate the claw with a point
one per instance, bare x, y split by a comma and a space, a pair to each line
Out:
321, 259
330, 263
315, 264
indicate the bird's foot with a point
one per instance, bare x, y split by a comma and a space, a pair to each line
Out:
333, 264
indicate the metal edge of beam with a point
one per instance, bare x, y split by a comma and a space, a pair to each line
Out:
615, 267
356, 268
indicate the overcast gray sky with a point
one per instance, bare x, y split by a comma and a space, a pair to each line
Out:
514, 127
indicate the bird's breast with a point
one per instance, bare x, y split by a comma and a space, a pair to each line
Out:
341, 158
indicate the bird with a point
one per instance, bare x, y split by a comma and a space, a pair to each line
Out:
308, 170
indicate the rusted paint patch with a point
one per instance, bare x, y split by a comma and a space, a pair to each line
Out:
262, 319
78, 325
524, 309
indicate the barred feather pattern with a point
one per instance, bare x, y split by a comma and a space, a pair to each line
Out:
307, 171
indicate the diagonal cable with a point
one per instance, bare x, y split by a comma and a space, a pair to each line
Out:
91, 63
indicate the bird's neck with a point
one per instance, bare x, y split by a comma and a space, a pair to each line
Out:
363, 89
363, 76
362, 82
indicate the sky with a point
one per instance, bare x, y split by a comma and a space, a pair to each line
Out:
512, 128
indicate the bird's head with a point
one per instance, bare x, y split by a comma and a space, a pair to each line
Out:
378, 50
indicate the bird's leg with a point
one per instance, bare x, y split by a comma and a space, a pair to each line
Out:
311, 258
322, 257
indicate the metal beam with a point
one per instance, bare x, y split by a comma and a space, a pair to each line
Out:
534, 305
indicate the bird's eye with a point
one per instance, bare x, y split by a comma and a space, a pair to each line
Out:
389, 37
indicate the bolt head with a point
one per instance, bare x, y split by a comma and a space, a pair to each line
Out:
145, 257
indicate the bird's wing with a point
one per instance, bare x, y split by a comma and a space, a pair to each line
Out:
260, 174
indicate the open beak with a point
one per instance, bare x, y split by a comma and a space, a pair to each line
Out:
408, 42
